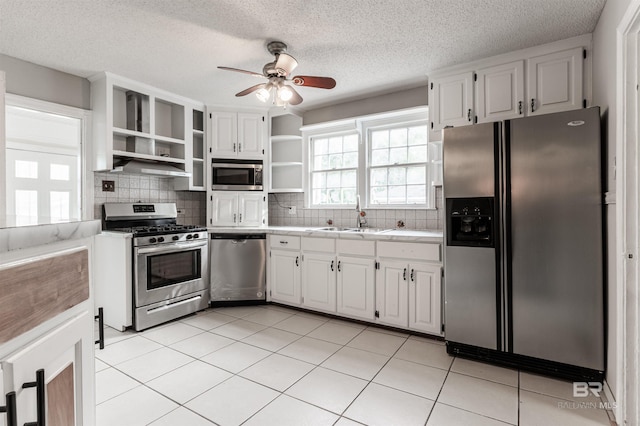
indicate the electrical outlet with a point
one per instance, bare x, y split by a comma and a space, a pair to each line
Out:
292, 210
108, 186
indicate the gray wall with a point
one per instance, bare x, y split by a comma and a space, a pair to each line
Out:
604, 95
392, 101
38, 82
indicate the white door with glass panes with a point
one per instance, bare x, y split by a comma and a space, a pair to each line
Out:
398, 165
355, 287
319, 281
250, 209
42, 167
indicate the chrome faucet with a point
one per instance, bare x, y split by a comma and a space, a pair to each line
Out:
361, 221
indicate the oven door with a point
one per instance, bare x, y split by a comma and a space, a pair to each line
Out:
168, 271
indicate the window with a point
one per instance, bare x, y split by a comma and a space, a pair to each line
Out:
43, 160
398, 165
386, 159
334, 175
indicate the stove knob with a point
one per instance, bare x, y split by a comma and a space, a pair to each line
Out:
152, 240
160, 239
189, 236
175, 238
196, 236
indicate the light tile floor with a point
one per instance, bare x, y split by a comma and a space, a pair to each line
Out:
269, 365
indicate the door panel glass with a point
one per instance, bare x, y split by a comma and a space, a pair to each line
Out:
172, 268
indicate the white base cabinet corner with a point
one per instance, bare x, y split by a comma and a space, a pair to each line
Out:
235, 208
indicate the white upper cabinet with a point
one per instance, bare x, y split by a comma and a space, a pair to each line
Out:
555, 82
236, 208
539, 80
236, 134
451, 101
500, 92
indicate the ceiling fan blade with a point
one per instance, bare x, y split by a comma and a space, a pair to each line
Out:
295, 98
311, 81
251, 89
255, 74
285, 64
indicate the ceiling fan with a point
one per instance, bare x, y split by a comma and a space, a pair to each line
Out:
278, 72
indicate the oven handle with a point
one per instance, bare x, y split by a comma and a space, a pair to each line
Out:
170, 247
174, 304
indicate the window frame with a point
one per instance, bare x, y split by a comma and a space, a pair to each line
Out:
363, 126
85, 153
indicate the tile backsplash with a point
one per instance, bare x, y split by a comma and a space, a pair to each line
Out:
131, 188
376, 218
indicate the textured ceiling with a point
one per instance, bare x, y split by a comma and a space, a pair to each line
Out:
368, 46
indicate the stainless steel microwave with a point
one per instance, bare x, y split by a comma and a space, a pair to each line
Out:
236, 175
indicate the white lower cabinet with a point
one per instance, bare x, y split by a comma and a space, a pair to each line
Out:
236, 208
319, 281
425, 298
356, 287
392, 293
285, 276
57, 369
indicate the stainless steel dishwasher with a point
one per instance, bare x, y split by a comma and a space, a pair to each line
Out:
238, 263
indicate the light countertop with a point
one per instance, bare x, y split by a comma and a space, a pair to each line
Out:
23, 237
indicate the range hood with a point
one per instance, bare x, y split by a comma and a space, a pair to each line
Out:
138, 167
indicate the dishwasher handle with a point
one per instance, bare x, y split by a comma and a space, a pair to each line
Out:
239, 241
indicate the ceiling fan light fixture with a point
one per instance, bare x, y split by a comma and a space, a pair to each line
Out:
284, 93
263, 94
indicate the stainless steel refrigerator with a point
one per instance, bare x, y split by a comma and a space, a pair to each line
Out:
524, 243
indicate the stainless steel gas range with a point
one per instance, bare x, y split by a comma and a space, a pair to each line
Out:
168, 270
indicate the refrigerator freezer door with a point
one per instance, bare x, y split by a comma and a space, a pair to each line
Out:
469, 166
556, 237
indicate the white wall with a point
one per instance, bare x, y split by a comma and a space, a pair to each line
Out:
604, 95
38, 82
390, 102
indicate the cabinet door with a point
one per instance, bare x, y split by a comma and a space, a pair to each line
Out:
285, 276
451, 98
392, 293
356, 287
250, 209
250, 135
319, 281
424, 298
555, 82
224, 207
224, 133
66, 356
500, 92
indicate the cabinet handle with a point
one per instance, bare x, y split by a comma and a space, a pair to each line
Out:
404, 274
297, 257
469, 115
332, 266
519, 107
284, 242
533, 104
40, 401
100, 318
234, 147
412, 275
239, 147
10, 409
339, 266
234, 217
240, 218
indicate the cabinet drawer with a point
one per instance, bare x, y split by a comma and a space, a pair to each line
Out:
284, 242
417, 251
361, 248
325, 245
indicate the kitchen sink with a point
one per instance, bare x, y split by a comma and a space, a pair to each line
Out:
337, 229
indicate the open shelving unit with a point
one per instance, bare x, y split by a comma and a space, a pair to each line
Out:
286, 154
